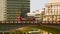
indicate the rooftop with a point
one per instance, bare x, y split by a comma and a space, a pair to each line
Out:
54, 1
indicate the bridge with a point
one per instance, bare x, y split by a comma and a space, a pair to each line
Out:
8, 26
12, 25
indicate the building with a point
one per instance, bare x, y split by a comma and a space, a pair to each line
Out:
37, 15
30, 14
25, 8
2, 10
52, 10
11, 9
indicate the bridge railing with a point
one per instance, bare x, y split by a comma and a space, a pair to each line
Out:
43, 22
18, 21
50, 22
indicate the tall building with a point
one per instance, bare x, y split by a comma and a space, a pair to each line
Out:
25, 8
52, 10
2, 10
11, 9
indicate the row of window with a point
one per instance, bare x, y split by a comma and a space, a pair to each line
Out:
14, 11
52, 5
53, 18
10, 4
12, 16
11, 19
24, 9
18, 0
18, 7
13, 4
52, 14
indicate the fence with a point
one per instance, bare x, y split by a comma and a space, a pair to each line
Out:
50, 22
42, 22
18, 21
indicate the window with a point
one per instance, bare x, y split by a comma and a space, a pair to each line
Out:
37, 14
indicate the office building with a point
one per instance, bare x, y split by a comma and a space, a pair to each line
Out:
11, 9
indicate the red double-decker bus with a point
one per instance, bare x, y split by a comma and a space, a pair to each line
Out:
25, 19
58, 20
19, 18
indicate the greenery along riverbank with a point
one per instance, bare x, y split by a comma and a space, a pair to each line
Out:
52, 30
27, 29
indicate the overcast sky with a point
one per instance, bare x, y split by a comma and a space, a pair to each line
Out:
37, 4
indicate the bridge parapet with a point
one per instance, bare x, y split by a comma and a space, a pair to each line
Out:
31, 22
50, 22
19, 22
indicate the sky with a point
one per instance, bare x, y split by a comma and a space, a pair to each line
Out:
37, 4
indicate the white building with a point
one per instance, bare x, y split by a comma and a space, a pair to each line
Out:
2, 10
30, 14
36, 14
52, 10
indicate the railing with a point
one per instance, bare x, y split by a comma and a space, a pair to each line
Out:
40, 22
50, 22
18, 21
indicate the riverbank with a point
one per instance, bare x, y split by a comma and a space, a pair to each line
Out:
55, 29
56, 26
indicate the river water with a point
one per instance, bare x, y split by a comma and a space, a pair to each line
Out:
37, 30
33, 30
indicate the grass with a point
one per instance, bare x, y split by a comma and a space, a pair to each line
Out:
52, 30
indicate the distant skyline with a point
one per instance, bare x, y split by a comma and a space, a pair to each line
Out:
37, 4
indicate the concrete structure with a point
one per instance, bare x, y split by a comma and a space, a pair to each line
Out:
11, 9
36, 14
31, 14
52, 10
2, 10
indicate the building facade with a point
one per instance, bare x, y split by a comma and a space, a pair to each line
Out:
38, 15
52, 10
2, 10
11, 9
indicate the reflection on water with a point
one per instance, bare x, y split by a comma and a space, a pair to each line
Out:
31, 31
44, 32
39, 31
